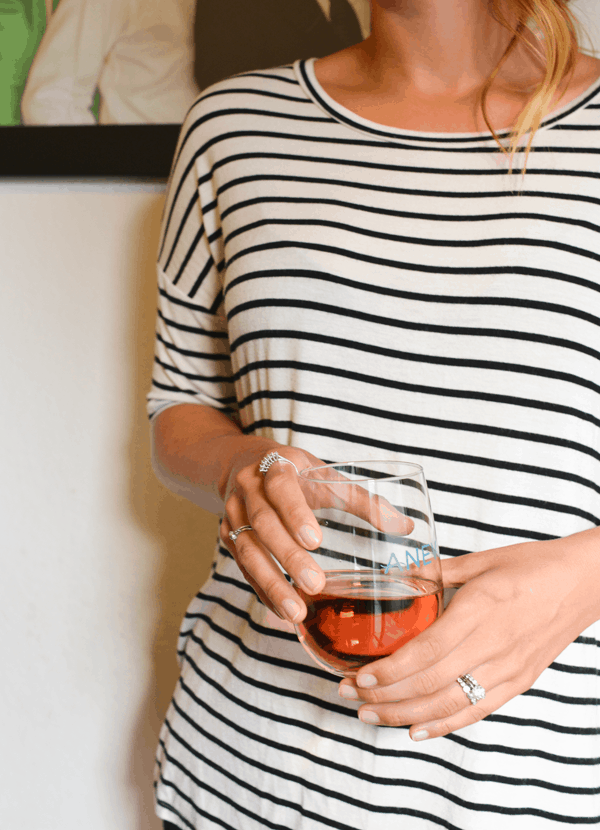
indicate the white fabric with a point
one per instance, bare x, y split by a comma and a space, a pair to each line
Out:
138, 53
365, 291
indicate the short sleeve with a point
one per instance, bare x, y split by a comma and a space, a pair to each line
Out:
192, 362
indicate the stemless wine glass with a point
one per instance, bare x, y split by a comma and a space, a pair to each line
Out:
380, 558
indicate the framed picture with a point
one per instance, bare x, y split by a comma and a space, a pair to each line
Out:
101, 87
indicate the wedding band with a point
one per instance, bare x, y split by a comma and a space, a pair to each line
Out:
471, 688
272, 458
233, 534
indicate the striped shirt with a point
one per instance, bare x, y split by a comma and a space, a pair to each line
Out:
363, 291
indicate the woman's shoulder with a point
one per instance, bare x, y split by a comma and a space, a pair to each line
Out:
247, 88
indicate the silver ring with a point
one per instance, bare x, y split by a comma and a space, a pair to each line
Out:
471, 688
272, 458
233, 534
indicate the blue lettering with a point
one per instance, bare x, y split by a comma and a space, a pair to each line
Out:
390, 564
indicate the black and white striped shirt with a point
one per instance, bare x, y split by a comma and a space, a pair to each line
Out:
366, 291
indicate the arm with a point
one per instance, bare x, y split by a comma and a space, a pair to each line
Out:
203, 455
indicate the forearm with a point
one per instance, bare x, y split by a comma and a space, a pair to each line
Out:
195, 448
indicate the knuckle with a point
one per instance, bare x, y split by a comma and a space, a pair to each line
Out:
391, 717
261, 518
426, 683
430, 648
248, 553
231, 504
448, 707
293, 558
476, 713
243, 476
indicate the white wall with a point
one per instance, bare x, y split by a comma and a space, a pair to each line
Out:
98, 560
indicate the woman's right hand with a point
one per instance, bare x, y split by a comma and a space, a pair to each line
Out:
284, 528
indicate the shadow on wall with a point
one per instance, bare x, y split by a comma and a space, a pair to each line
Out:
184, 533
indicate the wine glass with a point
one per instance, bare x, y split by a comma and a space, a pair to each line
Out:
380, 558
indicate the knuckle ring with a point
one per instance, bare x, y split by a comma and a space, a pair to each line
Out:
471, 688
233, 534
272, 458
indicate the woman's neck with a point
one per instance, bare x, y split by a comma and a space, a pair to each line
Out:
440, 48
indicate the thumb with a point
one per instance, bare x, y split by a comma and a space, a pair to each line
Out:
460, 569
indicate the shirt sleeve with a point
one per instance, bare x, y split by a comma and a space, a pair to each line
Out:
192, 361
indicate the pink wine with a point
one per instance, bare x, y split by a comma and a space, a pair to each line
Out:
361, 616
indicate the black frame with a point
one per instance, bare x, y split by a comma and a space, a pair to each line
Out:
130, 150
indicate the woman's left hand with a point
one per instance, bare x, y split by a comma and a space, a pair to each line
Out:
519, 607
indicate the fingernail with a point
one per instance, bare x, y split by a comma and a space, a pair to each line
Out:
421, 735
366, 681
349, 692
309, 535
292, 609
309, 580
369, 717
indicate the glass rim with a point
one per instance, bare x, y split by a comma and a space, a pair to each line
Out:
413, 470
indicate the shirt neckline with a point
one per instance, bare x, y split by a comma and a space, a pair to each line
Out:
305, 74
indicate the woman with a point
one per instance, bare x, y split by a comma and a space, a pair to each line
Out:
350, 269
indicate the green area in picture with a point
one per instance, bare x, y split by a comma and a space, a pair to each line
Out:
22, 24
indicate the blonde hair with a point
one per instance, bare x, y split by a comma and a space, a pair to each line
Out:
558, 33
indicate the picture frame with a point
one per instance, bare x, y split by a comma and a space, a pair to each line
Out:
129, 150
53, 136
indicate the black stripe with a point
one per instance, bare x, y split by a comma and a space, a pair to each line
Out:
186, 214
262, 794
277, 662
388, 291
413, 240
463, 458
437, 423
407, 214
191, 329
204, 378
368, 348
444, 392
325, 676
362, 775
542, 724
263, 630
183, 820
255, 763
216, 356
562, 667
405, 191
186, 304
366, 747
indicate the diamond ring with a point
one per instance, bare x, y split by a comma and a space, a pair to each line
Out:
471, 688
233, 534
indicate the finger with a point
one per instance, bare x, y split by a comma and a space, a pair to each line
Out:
470, 714
458, 570
441, 711
258, 567
267, 579
425, 660
286, 497
275, 537
331, 489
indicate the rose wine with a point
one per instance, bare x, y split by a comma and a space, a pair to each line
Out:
361, 616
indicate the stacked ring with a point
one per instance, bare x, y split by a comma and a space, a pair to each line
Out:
471, 688
272, 458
